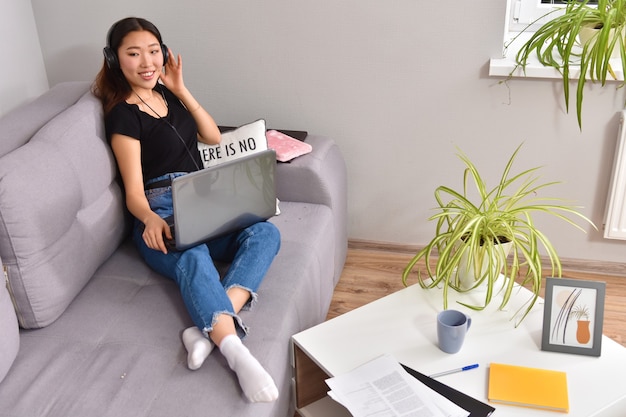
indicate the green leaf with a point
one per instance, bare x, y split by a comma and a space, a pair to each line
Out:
476, 229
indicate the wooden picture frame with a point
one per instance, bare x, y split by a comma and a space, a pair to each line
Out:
573, 315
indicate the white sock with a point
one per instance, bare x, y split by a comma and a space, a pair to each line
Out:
256, 383
198, 347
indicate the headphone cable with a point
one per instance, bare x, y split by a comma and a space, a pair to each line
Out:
170, 125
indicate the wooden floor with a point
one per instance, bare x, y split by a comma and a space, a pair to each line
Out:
370, 274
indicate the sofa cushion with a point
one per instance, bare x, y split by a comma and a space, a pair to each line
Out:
10, 340
286, 147
19, 125
61, 214
120, 353
245, 140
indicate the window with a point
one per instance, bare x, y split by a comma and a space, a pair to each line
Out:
525, 12
519, 15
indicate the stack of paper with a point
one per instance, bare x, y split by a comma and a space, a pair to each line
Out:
383, 388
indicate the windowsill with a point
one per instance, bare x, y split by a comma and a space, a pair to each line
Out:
506, 66
503, 67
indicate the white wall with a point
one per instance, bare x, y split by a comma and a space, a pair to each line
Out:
399, 85
22, 74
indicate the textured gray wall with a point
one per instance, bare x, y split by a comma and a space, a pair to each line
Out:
398, 84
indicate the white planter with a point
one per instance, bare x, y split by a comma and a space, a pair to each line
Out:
588, 34
466, 272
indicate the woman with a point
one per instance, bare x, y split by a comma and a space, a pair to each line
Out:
153, 124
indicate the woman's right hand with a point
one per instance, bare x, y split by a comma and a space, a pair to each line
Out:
154, 232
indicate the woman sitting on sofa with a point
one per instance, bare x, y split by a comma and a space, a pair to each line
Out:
153, 128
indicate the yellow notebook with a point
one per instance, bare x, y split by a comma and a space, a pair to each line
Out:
528, 387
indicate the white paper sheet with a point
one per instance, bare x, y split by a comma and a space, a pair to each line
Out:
382, 388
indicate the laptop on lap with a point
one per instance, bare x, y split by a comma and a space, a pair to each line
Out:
221, 199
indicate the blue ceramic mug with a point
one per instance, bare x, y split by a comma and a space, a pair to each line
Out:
452, 325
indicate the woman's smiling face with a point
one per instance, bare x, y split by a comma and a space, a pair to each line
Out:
141, 59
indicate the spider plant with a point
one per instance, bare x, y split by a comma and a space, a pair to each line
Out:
476, 230
579, 313
557, 44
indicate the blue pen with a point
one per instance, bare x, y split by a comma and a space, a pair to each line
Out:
453, 371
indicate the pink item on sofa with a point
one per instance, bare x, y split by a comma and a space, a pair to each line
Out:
285, 146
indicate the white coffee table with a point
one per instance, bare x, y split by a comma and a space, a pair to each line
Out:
403, 324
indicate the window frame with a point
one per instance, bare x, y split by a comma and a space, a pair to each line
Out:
519, 14
532, 12
529, 12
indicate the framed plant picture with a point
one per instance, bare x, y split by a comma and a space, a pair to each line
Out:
573, 315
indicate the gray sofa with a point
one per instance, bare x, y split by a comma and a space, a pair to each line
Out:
99, 332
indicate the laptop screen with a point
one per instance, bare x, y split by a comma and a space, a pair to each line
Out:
224, 198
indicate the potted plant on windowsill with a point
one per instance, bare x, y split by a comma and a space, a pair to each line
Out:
474, 231
557, 44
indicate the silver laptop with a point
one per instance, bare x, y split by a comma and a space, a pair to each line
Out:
223, 198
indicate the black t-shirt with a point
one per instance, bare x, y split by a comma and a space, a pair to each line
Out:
162, 149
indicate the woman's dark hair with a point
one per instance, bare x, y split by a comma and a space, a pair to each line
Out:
110, 85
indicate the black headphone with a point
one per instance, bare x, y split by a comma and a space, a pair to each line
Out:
110, 56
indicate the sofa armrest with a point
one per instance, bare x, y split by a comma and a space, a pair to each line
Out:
319, 177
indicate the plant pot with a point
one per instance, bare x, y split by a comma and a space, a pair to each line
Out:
588, 34
467, 272
583, 335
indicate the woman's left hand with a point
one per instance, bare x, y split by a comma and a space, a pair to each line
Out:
172, 78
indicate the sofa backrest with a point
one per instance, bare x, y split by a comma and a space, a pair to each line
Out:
61, 208
19, 125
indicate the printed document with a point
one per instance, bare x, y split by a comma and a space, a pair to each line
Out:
382, 388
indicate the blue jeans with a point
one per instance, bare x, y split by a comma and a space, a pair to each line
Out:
249, 251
